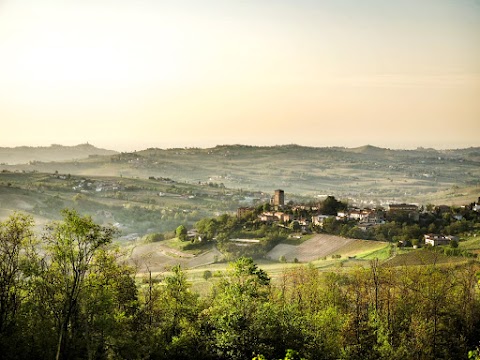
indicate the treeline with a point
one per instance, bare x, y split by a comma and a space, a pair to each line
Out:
69, 296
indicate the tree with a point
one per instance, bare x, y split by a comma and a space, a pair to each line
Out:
206, 227
331, 225
171, 331
71, 246
295, 226
207, 274
240, 316
109, 307
181, 232
330, 206
16, 237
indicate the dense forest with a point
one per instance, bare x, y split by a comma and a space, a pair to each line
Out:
68, 295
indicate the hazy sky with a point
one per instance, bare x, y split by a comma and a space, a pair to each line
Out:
134, 74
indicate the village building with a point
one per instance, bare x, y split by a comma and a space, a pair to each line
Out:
243, 211
442, 209
436, 239
278, 199
318, 220
410, 209
274, 217
476, 206
368, 216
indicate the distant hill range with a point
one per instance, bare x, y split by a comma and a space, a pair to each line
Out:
366, 172
26, 154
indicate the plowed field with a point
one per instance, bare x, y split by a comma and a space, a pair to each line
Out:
321, 246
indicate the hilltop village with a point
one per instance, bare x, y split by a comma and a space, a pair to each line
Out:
407, 225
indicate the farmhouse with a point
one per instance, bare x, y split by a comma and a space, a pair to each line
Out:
436, 239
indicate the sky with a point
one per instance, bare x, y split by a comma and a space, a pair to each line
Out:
132, 74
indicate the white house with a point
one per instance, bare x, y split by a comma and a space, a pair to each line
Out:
436, 239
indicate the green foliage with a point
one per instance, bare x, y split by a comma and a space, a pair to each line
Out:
330, 206
207, 274
16, 243
72, 245
207, 228
239, 311
71, 297
181, 232
75, 297
474, 354
155, 237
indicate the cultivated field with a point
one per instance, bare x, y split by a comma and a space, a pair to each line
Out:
423, 257
322, 246
157, 257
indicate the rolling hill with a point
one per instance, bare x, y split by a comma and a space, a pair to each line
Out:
361, 175
26, 154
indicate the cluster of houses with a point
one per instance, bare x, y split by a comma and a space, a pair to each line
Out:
365, 217
85, 186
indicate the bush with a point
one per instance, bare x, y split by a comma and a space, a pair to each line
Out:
207, 274
154, 237
454, 244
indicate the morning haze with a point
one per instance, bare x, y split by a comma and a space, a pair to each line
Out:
231, 180
128, 76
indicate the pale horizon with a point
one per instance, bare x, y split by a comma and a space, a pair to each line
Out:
127, 75
208, 146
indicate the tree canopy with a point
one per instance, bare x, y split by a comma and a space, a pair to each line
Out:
69, 295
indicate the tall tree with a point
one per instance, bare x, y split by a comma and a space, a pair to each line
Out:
71, 246
181, 232
239, 305
16, 237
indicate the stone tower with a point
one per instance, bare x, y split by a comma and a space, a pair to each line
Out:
278, 199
